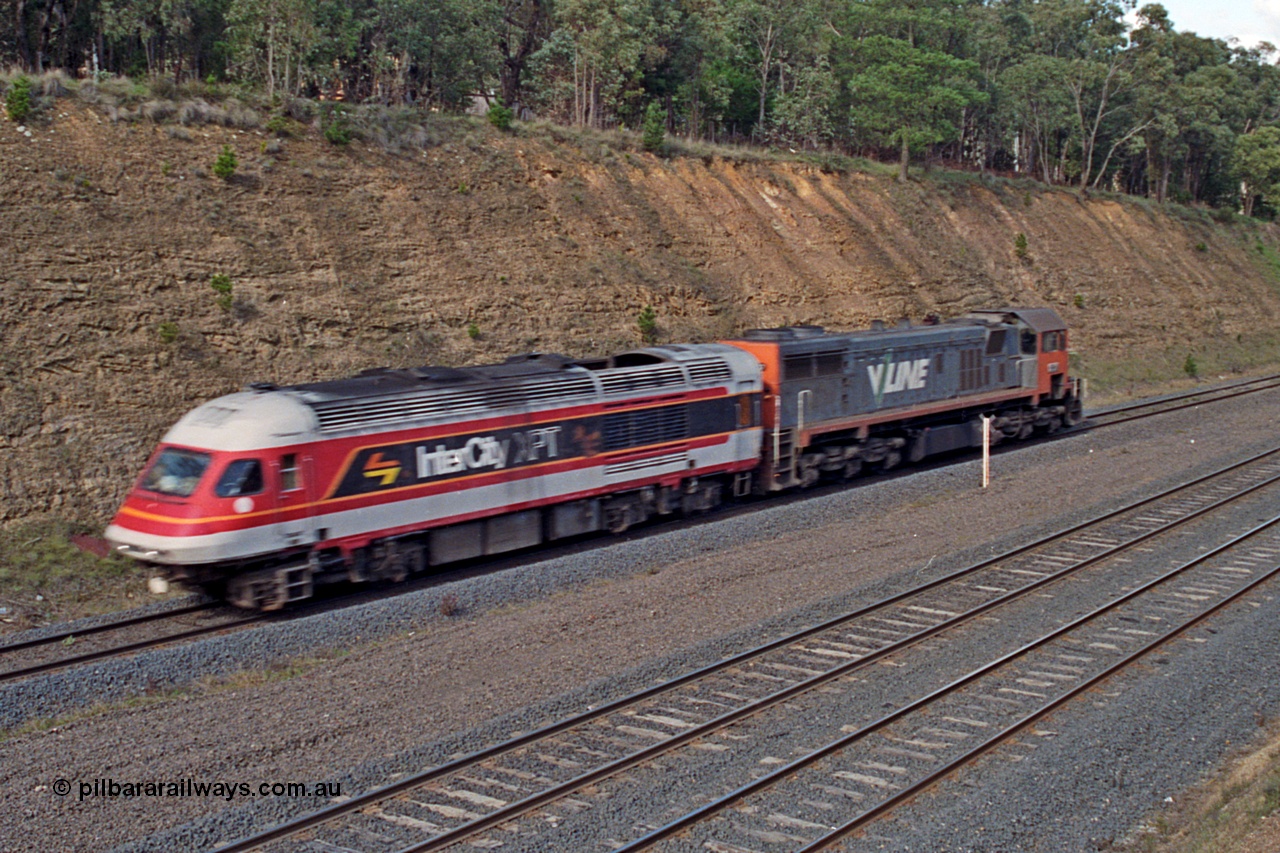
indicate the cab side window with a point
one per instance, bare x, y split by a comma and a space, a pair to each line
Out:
242, 477
1028, 342
289, 472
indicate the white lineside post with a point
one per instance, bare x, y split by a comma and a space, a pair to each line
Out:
986, 450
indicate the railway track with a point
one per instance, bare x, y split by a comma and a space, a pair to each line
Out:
66, 649
962, 721
1115, 415
514, 794
27, 658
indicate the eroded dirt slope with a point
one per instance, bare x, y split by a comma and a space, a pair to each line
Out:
347, 258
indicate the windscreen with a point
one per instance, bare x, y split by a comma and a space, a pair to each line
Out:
175, 472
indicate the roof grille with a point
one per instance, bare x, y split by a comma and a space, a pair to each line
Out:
628, 379
344, 415
708, 370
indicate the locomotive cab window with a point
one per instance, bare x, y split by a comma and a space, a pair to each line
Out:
176, 472
289, 472
828, 363
1053, 341
809, 365
797, 367
242, 477
1028, 342
995, 342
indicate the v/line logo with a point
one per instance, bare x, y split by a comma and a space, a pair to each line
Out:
889, 376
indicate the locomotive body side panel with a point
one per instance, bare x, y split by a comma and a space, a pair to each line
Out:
387, 455
275, 489
816, 382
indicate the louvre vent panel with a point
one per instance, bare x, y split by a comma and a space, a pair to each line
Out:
644, 427
359, 414
679, 459
708, 370
627, 380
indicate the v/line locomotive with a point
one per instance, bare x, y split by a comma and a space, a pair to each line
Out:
265, 493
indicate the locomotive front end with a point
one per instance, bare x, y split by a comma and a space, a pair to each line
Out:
213, 492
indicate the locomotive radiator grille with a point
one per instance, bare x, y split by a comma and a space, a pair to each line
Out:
708, 370
358, 414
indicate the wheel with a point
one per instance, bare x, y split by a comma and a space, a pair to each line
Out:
1074, 413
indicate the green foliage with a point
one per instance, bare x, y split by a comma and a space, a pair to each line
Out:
655, 127
500, 116
1257, 160
473, 331
168, 332
1190, 367
17, 101
647, 323
1020, 245
42, 572
909, 96
278, 124
335, 125
1052, 89
221, 284
1078, 300
225, 166
1201, 247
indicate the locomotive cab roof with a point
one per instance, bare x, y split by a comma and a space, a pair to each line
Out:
1037, 319
266, 415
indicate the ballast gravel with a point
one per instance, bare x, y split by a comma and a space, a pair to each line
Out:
390, 686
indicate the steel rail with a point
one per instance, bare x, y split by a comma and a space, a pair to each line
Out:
354, 804
1274, 379
116, 651
520, 807
1129, 418
61, 636
773, 777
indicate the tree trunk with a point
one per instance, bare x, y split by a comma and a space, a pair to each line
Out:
531, 25
904, 158
271, 59
42, 36
765, 42
20, 33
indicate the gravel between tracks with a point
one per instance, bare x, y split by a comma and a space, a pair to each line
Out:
552, 636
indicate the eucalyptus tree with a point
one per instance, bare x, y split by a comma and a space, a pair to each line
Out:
1257, 162
596, 48
433, 52
1183, 84
773, 34
1036, 104
271, 40
520, 30
907, 86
